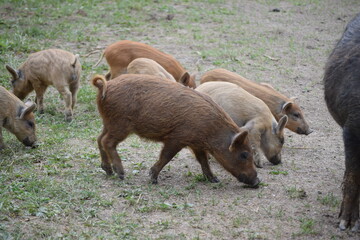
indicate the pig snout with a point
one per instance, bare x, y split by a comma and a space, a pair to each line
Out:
309, 131
306, 131
276, 159
252, 182
29, 143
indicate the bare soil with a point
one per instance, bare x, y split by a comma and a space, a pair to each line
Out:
285, 44
297, 41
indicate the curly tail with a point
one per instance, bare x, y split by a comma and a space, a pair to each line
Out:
100, 82
76, 57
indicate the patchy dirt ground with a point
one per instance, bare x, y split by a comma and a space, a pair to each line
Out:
284, 43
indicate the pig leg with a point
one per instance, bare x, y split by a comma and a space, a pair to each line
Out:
105, 163
2, 146
66, 94
40, 91
109, 142
202, 158
108, 76
167, 153
73, 89
257, 158
255, 139
349, 212
113, 74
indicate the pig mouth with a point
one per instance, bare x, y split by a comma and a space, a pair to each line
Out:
253, 183
304, 132
275, 159
29, 143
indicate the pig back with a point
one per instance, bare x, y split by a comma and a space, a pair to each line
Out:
238, 103
125, 51
52, 64
9, 103
270, 96
157, 109
341, 77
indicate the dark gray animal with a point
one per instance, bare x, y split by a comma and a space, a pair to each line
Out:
342, 96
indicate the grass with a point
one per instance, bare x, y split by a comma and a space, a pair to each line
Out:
307, 227
329, 200
59, 191
295, 192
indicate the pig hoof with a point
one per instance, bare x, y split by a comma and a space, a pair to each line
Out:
342, 225
355, 228
153, 175
107, 169
214, 180
68, 118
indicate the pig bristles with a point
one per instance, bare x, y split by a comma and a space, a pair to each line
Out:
100, 82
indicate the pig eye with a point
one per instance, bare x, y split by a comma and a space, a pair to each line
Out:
282, 140
296, 115
244, 155
30, 124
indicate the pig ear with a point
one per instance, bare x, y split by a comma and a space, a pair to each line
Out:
12, 71
286, 107
192, 80
30, 106
293, 99
249, 126
238, 139
185, 79
281, 125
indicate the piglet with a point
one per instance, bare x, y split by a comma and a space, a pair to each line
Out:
17, 117
55, 67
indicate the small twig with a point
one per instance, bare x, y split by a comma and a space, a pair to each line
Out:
300, 147
272, 58
91, 53
137, 202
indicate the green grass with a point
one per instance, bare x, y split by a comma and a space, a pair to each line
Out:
307, 227
329, 200
295, 192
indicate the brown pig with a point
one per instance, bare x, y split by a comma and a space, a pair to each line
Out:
150, 67
118, 56
17, 117
247, 110
55, 67
278, 103
175, 115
